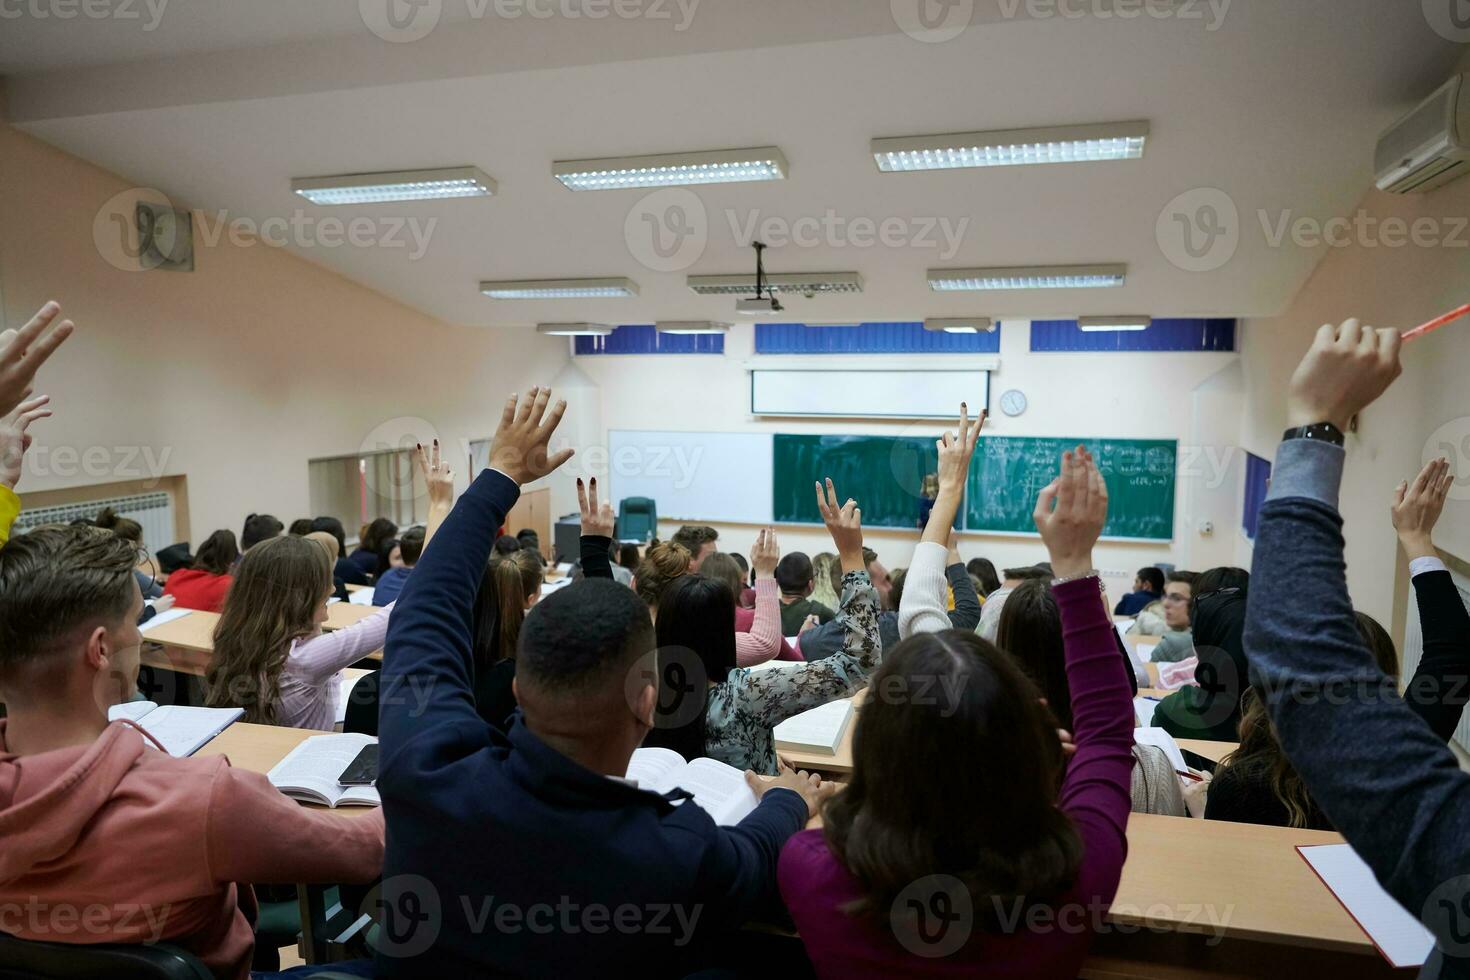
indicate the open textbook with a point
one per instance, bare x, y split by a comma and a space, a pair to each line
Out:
718, 789
818, 731
310, 772
181, 730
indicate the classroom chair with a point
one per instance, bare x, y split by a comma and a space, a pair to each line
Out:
637, 519
24, 959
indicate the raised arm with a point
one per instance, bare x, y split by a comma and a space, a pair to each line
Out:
1388, 784
324, 655
923, 607
14, 441
440, 481
427, 719
598, 523
764, 639
966, 612
1438, 690
1070, 514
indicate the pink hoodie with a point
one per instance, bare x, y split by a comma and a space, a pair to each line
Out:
119, 842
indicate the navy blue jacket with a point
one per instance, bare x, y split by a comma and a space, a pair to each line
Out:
504, 856
1135, 602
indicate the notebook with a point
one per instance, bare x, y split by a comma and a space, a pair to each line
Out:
167, 616
1400, 937
361, 597
718, 789
1144, 709
818, 731
345, 683
181, 730
1162, 739
310, 772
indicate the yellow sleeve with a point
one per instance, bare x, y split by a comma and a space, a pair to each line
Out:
9, 511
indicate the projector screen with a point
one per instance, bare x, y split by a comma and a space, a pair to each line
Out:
868, 394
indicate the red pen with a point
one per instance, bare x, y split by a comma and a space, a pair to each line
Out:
1438, 322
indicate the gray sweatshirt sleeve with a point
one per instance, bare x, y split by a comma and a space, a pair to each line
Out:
1382, 777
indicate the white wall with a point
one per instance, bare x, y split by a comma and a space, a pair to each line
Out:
236, 374
1114, 395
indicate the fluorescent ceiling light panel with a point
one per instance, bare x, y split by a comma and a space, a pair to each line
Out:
1113, 324
789, 283
1027, 277
1012, 147
672, 169
395, 185
691, 326
965, 324
560, 288
574, 329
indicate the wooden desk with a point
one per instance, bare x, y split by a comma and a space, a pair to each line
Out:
353, 587
186, 644
258, 748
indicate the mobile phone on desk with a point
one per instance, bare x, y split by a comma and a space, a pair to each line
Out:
363, 770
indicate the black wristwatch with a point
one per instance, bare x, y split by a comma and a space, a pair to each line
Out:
1319, 432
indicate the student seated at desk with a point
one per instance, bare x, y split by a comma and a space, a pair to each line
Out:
347, 571
755, 632
995, 602
130, 531
95, 819
574, 832
270, 654
1177, 645
371, 543
1256, 783
827, 579
1210, 708
699, 540
1170, 614
204, 584
914, 830
983, 569
1148, 587
300, 527
798, 580
258, 528
391, 582
739, 706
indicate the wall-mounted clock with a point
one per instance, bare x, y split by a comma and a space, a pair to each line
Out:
1013, 402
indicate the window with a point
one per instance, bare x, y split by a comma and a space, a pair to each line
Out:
644, 338
870, 338
360, 488
1162, 335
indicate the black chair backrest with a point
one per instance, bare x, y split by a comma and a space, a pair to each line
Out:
25, 959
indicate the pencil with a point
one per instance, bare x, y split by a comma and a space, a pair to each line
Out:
1438, 322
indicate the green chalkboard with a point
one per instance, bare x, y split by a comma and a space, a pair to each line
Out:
883, 473
1009, 471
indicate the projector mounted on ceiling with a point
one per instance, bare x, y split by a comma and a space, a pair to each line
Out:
764, 302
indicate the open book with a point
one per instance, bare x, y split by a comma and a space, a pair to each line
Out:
718, 789
818, 731
310, 772
1401, 938
181, 730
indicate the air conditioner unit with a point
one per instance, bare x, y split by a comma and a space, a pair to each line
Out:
1430, 146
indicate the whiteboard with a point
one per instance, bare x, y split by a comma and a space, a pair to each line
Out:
694, 476
1414, 649
906, 394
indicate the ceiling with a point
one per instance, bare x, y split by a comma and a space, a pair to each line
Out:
221, 103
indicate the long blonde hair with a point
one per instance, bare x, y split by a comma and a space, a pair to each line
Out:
517, 577
271, 603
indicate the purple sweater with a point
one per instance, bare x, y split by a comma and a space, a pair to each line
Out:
1095, 795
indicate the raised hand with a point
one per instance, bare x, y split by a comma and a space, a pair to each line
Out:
1417, 506
15, 440
437, 477
955, 452
1344, 372
22, 352
765, 554
1070, 514
519, 449
845, 524
598, 520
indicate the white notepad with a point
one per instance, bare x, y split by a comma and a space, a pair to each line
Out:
345, 683
167, 616
1162, 739
181, 730
1144, 709
1400, 937
361, 597
819, 730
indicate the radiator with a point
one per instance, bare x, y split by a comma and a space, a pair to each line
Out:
155, 511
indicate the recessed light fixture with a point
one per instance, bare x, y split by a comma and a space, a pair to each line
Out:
559, 288
800, 283
574, 329
672, 169
691, 326
1012, 147
1027, 277
1113, 324
395, 185
964, 324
